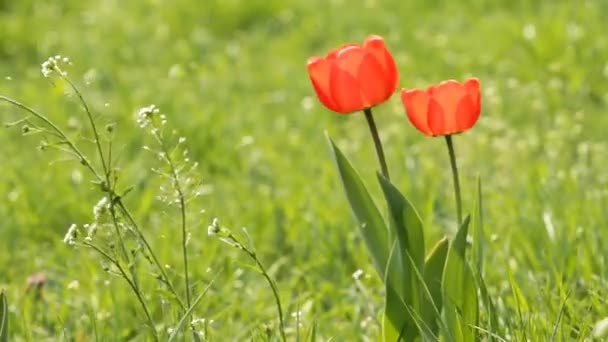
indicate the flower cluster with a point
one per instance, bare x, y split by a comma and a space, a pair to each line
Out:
71, 235
146, 114
53, 64
183, 181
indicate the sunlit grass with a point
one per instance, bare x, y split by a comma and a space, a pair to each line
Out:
231, 77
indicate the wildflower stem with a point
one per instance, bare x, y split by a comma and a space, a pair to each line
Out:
93, 126
165, 279
58, 130
131, 283
275, 291
377, 142
182, 206
123, 248
457, 194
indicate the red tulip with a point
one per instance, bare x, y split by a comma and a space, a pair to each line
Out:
354, 77
447, 108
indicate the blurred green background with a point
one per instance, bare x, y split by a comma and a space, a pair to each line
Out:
231, 77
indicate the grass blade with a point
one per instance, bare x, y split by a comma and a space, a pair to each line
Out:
182, 321
3, 317
478, 231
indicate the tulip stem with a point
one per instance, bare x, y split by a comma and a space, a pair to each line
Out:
448, 140
377, 142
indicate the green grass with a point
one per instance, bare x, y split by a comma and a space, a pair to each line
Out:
231, 77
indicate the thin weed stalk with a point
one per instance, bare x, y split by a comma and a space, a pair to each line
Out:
226, 235
132, 283
182, 205
107, 186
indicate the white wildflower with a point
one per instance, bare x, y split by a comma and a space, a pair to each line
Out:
91, 230
100, 208
53, 64
73, 285
71, 235
145, 115
357, 274
214, 228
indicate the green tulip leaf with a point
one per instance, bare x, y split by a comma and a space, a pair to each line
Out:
396, 316
433, 275
3, 317
407, 225
372, 227
460, 306
406, 228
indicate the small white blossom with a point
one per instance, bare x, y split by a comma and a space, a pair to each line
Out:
100, 208
91, 230
145, 114
214, 228
70, 236
73, 285
53, 64
357, 274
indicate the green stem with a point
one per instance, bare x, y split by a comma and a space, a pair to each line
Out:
275, 291
182, 206
377, 142
131, 283
56, 129
457, 195
164, 277
93, 127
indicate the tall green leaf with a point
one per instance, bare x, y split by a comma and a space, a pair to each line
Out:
396, 320
3, 317
372, 227
406, 226
433, 275
478, 230
478, 259
459, 292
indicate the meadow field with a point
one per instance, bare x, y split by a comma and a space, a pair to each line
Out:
230, 77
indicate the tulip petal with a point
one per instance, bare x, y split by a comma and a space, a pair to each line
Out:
372, 81
349, 59
466, 114
436, 118
449, 94
319, 72
353, 77
472, 87
416, 103
345, 89
375, 45
332, 54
